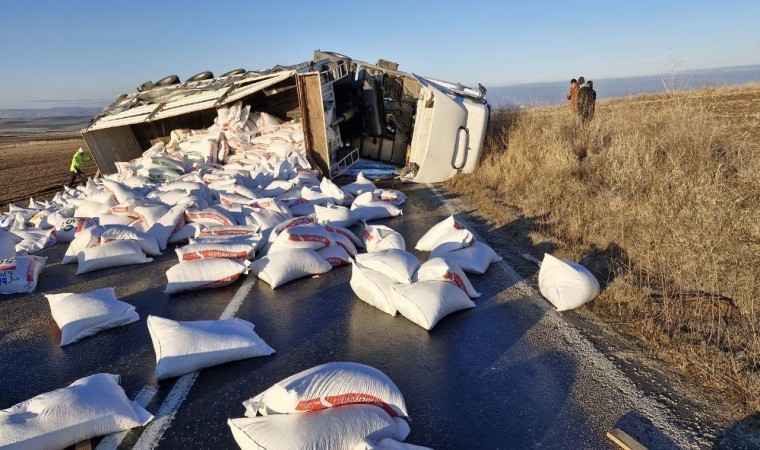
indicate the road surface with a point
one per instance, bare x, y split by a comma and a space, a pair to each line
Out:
509, 373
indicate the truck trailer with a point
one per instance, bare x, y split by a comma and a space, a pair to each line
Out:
428, 128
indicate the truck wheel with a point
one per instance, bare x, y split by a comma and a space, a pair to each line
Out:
201, 76
232, 72
167, 81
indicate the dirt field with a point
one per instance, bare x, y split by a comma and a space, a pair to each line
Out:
36, 166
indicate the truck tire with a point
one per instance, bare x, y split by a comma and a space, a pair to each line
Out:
201, 76
167, 81
233, 72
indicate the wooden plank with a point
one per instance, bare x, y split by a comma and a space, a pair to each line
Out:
310, 92
625, 441
84, 445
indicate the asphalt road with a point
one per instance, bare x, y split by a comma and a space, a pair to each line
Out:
509, 373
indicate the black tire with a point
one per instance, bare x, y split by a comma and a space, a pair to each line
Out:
233, 72
167, 81
201, 76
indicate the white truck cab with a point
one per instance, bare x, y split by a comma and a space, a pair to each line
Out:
430, 129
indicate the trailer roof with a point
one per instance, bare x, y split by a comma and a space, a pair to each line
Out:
162, 102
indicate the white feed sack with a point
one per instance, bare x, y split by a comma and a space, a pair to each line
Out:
146, 242
358, 243
33, 240
67, 229
120, 192
329, 385
399, 265
297, 206
167, 225
566, 284
473, 259
19, 274
209, 217
26, 213
379, 237
439, 269
8, 243
336, 255
447, 235
394, 196
372, 287
288, 265
204, 274
343, 241
89, 237
333, 191
90, 407
339, 216
427, 302
194, 252
184, 347
366, 207
360, 186
82, 315
335, 428
111, 254
311, 236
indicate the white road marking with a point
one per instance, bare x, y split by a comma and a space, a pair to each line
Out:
166, 412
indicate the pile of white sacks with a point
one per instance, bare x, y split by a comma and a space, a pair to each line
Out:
393, 280
229, 191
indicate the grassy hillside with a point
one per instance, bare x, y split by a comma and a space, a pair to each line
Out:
660, 197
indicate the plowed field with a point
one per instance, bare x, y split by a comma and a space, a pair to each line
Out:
39, 167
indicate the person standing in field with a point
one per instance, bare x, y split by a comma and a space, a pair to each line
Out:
584, 101
76, 167
592, 110
572, 95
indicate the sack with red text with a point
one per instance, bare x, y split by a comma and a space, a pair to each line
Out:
204, 274
67, 229
439, 269
311, 236
193, 252
334, 428
328, 386
288, 265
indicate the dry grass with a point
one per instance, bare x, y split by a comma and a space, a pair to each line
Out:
660, 197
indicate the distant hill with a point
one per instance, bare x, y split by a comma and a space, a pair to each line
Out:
75, 111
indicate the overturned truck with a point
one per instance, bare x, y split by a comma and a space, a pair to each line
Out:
348, 109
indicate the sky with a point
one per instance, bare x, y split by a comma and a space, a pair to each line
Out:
86, 53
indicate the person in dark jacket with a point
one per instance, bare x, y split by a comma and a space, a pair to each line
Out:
586, 100
592, 109
76, 167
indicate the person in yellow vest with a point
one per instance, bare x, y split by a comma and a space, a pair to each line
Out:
76, 167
